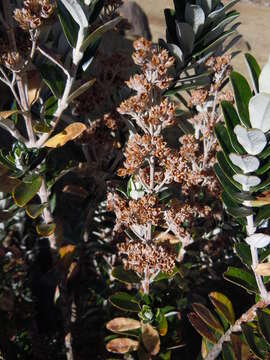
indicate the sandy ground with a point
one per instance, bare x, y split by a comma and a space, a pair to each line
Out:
255, 28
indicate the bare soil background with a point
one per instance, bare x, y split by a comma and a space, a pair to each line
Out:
255, 27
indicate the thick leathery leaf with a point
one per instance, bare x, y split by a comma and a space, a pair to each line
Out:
121, 324
125, 302
259, 111
254, 71
242, 94
125, 276
223, 306
122, 345
202, 328
264, 324
258, 240
247, 163
242, 278
253, 140
264, 78
207, 317
24, 192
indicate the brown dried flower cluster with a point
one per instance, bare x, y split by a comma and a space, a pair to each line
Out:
134, 212
147, 108
137, 256
34, 13
221, 66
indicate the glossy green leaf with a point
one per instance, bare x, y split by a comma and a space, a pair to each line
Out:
125, 302
202, 328
95, 8
254, 71
50, 108
34, 210
92, 38
223, 306
231, 119
262, 214
125, 276
70, 27
24, 192
264, 324
45, 229
235, 209
207, 317
227, 352
241, 278
54, 78
243, 251
256, 344
242, 95
230, 189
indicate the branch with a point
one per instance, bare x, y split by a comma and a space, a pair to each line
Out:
247, 316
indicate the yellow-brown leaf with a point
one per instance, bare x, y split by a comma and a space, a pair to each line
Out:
71, 132
122, 345
123, 324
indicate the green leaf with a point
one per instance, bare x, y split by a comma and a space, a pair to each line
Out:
255, 343
202, 328
50, 107
231, 119
81, 90
242, 95
230, 189
264, 324
46, 229
125, 276
99, 32
34, 210
223, 306
233, 208
53, 77
95, 9
254, 71
125, 302
214, 44
241, 278
70, 27
227, 352
24, 192
243, 251
263, 214
226, 167
207, 317
225, 143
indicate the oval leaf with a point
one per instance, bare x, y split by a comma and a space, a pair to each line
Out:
71, 132
34, 210
120, 324
247, 181
263, 269
253, 141
207, 317
45, 229
258, 240
264, 324
150, 338
247, 163
202, 328
264, 79
259, 110
24, 192
122, 345
125, 302
126, 276
223, 306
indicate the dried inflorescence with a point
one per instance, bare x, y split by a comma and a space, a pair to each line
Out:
34, 13
134, 212
147, 108
137, 257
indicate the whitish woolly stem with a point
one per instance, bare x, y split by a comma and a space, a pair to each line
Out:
247, 316
47, 216
251, 229
146, 281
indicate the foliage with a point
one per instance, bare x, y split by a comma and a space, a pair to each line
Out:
129, 182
